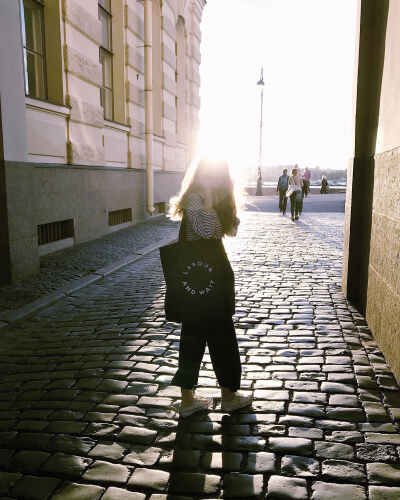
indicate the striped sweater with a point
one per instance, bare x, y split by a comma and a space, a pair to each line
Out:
200, 223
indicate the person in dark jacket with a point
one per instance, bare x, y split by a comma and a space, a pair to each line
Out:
281, 188
306, 182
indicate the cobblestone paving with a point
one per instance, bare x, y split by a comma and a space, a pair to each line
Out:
86, 411
60, 268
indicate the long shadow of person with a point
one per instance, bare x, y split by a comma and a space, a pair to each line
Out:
215, 455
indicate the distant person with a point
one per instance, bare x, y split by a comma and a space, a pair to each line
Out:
324, 185
259, 183
281, 188
295, 193
306, 181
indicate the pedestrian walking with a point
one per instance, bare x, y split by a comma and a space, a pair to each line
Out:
306, 181
324, 185
295, 194
281, 188
206, 206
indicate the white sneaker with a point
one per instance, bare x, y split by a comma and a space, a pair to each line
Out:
197, 405
238, 401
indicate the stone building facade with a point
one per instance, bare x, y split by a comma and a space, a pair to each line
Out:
99, 112
371, 277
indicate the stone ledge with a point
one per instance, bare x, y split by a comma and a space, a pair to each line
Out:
79, 283
106, 270
32, 307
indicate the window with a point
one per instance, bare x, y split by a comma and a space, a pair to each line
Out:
157, 69
180, 77
106, 59
32, 23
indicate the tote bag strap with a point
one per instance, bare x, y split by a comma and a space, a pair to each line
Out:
182, 228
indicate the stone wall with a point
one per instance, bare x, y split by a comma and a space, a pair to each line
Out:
383, 303
41, 194
383, 290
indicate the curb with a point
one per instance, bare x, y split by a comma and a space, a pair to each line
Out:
77, 284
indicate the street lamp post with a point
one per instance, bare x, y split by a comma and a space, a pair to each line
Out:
260, 83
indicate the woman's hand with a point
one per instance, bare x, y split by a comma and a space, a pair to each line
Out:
234, 230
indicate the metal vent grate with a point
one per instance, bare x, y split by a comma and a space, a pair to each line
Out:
55, 231
119, 216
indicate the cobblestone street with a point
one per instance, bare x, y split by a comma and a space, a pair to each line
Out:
86, 411
62, 267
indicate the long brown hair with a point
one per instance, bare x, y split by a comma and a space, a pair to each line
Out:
212, 181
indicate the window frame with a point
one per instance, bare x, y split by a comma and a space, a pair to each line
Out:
181, 79
26, 51
157, 69
106, 52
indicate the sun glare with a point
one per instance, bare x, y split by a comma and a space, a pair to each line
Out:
212, 144
308, 74
217, 145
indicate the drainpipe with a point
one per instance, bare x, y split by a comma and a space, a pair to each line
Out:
148, 96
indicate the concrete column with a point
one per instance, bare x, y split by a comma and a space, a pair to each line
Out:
5, 268
371, 52
12, 86
17, 183
148, 95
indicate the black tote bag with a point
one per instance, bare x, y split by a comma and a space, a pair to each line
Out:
199, 279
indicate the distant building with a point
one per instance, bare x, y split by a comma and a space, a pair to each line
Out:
98, 98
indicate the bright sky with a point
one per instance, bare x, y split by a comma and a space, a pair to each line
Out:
307, 50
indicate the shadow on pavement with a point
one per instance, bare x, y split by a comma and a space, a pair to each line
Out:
211, 445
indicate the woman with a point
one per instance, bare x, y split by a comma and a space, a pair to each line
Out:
207, 203
295, 194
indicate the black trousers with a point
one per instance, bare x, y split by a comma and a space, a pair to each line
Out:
296, 203
282, 200
306, 187
220, 337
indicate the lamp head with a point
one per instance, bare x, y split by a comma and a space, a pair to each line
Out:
261, 80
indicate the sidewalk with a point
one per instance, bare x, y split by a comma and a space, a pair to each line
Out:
86, 411
60, 270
